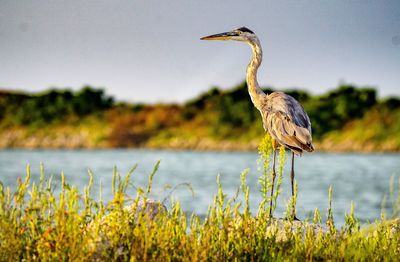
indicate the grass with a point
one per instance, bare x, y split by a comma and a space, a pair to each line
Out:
39, 223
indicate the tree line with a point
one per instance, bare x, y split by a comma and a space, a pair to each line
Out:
52, 105
329, 111
230, 108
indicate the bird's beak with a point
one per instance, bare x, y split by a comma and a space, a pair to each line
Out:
221, 36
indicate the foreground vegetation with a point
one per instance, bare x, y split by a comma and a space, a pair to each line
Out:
40, 222
217, 119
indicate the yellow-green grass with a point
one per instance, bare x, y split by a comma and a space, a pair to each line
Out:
38, 222
378, 130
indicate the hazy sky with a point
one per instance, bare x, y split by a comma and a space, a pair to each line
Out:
150, 50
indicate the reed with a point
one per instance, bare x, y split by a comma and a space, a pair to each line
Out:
38, 222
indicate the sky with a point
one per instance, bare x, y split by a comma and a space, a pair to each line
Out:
149, 51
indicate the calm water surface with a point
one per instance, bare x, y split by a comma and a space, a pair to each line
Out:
361, 178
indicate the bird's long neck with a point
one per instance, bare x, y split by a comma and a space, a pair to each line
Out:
256, 93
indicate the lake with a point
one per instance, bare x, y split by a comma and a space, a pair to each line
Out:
361, 178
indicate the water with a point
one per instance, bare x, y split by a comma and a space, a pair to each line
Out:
361, 178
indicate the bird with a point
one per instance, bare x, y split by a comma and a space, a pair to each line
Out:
283, 117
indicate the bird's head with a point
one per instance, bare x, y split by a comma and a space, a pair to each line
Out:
240, 34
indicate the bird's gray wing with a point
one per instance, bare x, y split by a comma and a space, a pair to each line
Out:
287, 122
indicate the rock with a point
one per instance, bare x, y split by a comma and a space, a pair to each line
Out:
150, 207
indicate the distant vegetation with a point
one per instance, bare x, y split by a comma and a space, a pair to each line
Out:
52, 105
327, 112
214, 116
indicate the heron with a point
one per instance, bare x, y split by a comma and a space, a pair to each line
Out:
283, 116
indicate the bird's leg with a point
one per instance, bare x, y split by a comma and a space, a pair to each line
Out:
273, 178
292, 182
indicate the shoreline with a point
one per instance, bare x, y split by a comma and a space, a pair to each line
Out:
70, 139
192, 149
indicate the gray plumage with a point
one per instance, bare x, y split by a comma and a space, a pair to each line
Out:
286, 121
283, 117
